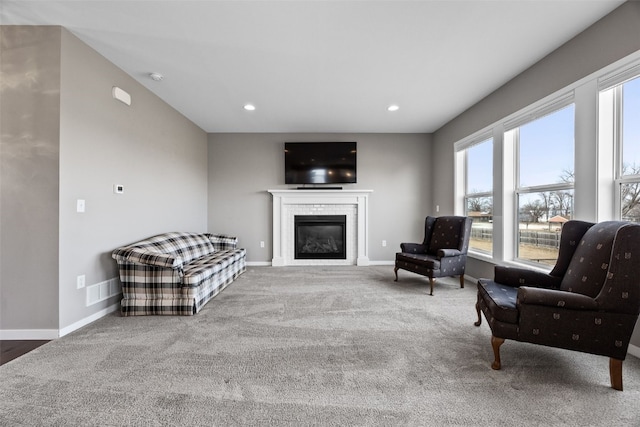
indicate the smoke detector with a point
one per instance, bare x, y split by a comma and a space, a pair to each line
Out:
156, 76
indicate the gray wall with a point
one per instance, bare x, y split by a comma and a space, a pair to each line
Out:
156, 153
74, 141
29, 151
242, 167
612, 38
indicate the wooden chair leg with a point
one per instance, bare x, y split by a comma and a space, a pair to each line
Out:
615, 372
431, 284
496, 343
479, 322
462, 280
395, 270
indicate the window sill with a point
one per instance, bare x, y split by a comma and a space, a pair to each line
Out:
481, 256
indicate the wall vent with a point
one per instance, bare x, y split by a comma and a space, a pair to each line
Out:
103, 290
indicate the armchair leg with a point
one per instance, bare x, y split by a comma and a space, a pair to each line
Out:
615, 372
395, 270
431, 284
462, 280
496, 343
479, 322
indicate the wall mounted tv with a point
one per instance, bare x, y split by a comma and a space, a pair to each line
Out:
320, 162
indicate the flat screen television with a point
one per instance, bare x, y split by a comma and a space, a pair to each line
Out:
320, 162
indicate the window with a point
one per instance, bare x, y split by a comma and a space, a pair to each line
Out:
629, 143
478, 194
521, 176
544, 182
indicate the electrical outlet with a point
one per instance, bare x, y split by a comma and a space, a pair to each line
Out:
437, 208
262, 243
80, 281
384, 243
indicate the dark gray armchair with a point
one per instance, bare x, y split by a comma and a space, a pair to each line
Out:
589, 302
443, 251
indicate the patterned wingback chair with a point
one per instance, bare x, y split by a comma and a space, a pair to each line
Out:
589, 302
443, 251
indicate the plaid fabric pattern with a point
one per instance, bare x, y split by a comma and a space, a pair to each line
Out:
141, 256
186, 246
221, 242
193, 269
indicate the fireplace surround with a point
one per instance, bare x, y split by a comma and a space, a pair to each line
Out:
353, 204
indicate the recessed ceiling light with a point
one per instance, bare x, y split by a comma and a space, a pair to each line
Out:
249, 107
156, 76
393, 108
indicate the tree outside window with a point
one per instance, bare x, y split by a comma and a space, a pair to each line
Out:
545, 182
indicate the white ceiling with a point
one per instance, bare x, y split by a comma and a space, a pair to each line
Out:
319, 66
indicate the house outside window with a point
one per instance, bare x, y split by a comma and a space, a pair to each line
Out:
544, 181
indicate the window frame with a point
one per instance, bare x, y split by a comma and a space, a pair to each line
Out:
512, 134
462, 153
618, 123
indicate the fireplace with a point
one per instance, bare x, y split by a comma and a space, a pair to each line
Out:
287, 204
320, 236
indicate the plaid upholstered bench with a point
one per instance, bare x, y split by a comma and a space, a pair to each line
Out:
176, 273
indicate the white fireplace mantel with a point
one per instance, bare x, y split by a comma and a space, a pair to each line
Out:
286, 200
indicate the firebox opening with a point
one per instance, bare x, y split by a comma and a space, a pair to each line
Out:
320, 236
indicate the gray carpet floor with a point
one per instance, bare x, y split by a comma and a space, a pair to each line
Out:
298, 346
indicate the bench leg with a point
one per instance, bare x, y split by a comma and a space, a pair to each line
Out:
431, 285
462, 280
395, 270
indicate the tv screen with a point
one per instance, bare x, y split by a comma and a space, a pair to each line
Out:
320, 162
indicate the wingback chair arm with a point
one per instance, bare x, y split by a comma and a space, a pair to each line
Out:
413, 248
443, 253
516, 277
555, 298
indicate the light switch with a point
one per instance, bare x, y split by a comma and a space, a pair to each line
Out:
80, 205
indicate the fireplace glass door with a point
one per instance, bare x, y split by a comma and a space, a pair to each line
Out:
320, 236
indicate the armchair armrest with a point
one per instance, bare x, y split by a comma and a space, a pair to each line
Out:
443, 253
222, 242
155, 259
515, 277
413, 248
555, 298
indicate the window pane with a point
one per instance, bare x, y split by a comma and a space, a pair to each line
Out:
631, 127
546, 149
479, 179
481, 210
480, 167
540, 220
630, 197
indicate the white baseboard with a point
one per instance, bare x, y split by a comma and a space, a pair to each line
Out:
268, 264
634, 350
52, 334
84, 322
28, 334
259, 264
381, 262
